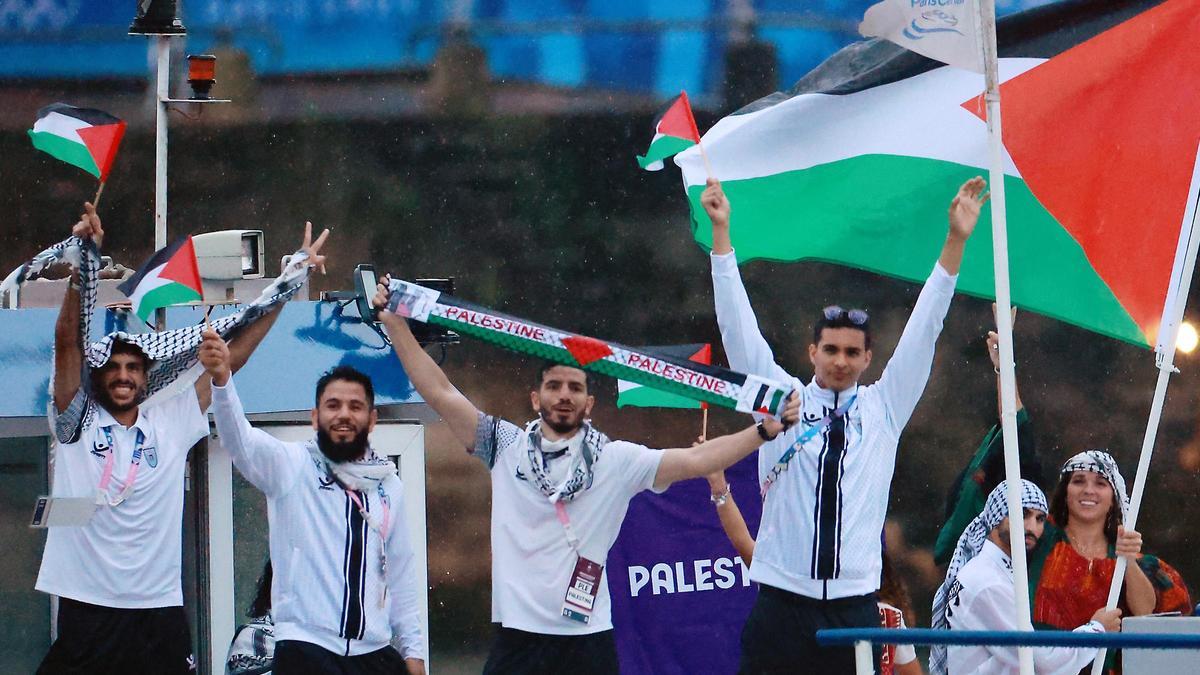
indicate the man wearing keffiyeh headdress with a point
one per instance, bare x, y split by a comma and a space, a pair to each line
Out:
1072, 568
125, 411
978, 594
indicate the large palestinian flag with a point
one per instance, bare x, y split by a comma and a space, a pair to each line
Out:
82, 137
857, 163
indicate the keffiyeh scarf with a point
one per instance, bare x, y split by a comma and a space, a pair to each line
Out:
173, 353
969, 545
583, 450
1099, 461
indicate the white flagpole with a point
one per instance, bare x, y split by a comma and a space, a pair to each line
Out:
1008, 379
1181, 282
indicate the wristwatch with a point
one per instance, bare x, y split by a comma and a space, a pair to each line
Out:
720, 499
762, 432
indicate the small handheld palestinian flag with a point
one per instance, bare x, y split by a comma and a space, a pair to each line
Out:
674, 132
170, 277
81, 137
641, 396
727, 388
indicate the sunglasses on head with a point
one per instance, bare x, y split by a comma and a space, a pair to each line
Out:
858, 317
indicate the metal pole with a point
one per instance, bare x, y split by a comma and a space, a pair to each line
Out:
863, 658
1165, 361
162, 45
1008, 380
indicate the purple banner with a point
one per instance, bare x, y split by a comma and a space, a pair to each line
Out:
680, 593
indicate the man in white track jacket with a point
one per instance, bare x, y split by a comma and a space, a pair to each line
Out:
345, 580
817, 557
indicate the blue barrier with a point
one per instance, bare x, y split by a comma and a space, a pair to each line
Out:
1038, 638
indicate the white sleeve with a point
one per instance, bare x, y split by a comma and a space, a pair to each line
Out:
745, 347
267, 462
404, 607
993, 610
638, 464
903, 380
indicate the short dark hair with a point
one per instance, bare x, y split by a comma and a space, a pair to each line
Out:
1060, 514
346, 373
588, 382
841, 321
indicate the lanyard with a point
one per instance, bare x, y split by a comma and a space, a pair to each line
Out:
782, 464
362, 510
560, 510
382, 530
130, 478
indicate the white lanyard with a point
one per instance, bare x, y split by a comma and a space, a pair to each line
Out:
130, 478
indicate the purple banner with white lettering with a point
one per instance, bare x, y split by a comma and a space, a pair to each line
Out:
680, 593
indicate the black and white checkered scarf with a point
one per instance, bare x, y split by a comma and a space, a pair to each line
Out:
1099, 461
580, 473
173, 353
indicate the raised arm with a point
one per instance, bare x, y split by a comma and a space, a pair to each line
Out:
270, 464
243, 344
68, 343
731, 517
431, 383
744, 344
907, 372
723, 451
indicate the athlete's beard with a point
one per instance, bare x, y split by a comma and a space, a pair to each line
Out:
344, 451
106, 402
565, 428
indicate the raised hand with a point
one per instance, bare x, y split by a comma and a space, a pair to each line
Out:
966, 206
716, 205
791, 415
89, 226
214, 356
313, 248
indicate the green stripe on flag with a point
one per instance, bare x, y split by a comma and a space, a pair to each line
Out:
664, 147
164, 296
648, 397
71, 152
903, 219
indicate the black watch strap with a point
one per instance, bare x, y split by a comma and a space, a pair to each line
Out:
762, 432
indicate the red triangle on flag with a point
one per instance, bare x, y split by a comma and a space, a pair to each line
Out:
102, 141
183, 268
703, 355
678, 120
585, 349
1105, 134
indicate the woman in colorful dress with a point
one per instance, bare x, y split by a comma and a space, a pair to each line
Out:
1072, 567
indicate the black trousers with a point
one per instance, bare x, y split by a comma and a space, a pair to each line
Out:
780, 634
293, 657
515, 652
98, 640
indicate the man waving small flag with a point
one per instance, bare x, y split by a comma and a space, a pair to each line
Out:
170, 277
674, 132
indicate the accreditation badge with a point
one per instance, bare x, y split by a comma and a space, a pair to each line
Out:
581, 592
62, 512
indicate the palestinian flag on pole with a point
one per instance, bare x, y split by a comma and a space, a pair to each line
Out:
170, 277
641, 396
81, 137
856, 164
675, 131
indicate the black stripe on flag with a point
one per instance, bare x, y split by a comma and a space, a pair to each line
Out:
96, 118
